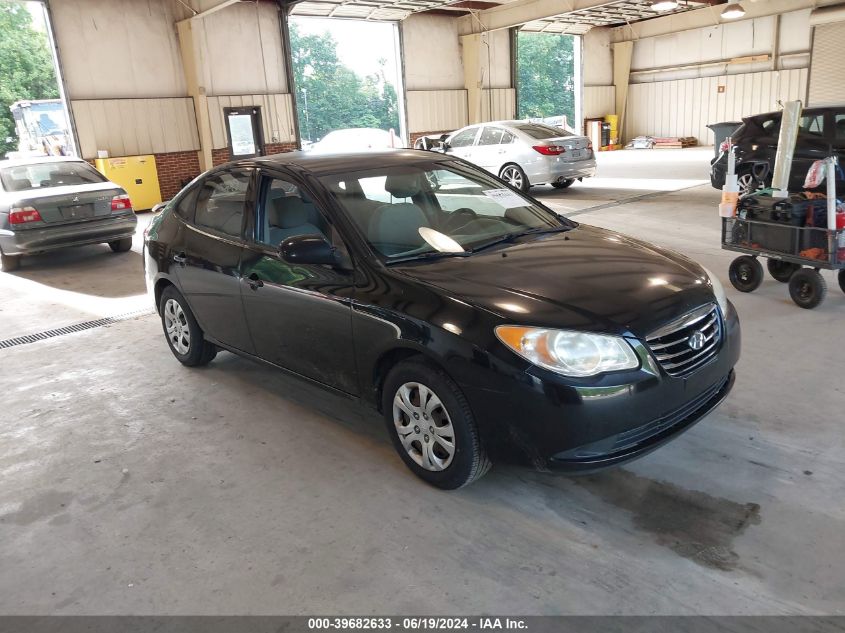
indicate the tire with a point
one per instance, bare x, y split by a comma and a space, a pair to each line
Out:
122, 245
515, 177
185, 338
807, 288
562, 184
782, 271
425, 455
746, 273
841, 278
8, 263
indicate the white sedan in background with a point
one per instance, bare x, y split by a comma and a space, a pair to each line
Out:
525, 154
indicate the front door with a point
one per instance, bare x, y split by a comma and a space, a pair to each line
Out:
462, 144
208, 268
299, 315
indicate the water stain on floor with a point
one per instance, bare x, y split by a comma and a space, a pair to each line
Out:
691, 523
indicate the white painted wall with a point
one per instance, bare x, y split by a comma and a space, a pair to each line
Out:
597, 58
120, 48
242, 50
599, 101
432, 53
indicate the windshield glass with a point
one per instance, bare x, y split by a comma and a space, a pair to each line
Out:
541, 131
433, 208
52, 174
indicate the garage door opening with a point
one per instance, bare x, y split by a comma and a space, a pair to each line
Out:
547, 77
34, 119
347, 75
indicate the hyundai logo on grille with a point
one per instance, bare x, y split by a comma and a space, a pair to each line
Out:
697, 340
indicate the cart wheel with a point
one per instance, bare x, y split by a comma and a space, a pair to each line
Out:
746, 273
807, 288
842, 279
780, 270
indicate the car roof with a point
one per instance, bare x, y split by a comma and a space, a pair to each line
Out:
37, 160
339, 162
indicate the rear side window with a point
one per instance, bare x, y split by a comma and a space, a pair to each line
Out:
463, 139
812, 125
185, 206
221, 201
839, 127
45, 175
491, 136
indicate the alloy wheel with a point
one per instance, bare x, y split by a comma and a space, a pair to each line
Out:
176, 325
424, 426
747, 183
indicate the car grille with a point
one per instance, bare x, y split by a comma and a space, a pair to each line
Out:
672, 344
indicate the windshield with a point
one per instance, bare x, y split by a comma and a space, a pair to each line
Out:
53, 174
435, 208
541, 131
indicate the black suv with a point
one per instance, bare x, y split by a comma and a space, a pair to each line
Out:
821, 132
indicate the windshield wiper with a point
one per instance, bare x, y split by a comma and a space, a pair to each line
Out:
509, 237
428, 255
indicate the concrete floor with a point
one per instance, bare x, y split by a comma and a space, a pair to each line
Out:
132, 485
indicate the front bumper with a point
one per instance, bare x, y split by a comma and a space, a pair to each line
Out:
573, 425
48, 238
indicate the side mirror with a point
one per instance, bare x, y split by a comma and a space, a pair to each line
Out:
308, 249
159, 207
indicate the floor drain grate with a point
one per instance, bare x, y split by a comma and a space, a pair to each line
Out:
70, 329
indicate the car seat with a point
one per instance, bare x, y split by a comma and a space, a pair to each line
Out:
394, 228
290, 216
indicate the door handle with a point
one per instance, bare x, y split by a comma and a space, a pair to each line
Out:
179, 258
254, 281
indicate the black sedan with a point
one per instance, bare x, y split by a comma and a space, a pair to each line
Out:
478, 322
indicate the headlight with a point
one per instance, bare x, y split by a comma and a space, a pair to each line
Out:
719, 291
576, 354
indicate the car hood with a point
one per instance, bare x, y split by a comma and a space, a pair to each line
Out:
586, 278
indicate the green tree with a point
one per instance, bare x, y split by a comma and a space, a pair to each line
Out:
546, 75
26, 67
329, 95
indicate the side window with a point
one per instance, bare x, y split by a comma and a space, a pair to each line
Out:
464, 139
839, 127
490, 136
287, 211
221, 201
507, 138
811, 125
185, 206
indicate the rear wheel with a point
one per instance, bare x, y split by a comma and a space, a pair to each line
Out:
746, 273
183, 333
841, 278
782, 271
432, 427
562, 184
515, 177
121, 246
807, 288
8, 263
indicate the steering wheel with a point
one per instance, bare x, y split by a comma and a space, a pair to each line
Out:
459, 218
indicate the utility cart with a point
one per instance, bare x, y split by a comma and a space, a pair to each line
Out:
795, 253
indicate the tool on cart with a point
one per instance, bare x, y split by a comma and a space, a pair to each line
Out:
798, 234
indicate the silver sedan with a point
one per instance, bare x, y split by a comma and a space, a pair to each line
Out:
50, 203
525, 154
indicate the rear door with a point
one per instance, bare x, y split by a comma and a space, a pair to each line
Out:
814, 143
488, 152
208, 269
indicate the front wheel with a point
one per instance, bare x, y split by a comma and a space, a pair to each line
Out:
183, 333
515, 177
746, 273
121, 246
807, 288
431, 426
562, 184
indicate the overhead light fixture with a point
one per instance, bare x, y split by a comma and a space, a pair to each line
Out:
733, 11
665, 5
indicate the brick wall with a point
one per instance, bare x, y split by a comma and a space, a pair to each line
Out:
220, 156
415, 135
174, 170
